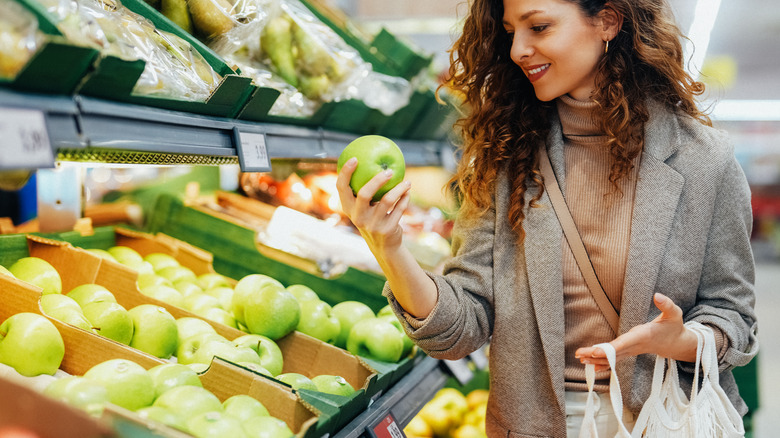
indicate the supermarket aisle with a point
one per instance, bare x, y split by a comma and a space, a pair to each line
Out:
767, 422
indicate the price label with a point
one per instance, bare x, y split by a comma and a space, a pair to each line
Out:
24, 140
386, 427
252, 151
479, 358
459, 369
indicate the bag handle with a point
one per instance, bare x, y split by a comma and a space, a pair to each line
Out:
615, 395
575, 242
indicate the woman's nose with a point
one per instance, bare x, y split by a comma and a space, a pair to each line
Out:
520, 49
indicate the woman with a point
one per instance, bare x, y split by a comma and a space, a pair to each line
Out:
661, 204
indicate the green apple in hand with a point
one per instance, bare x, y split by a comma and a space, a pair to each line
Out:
330, 384
349, 313
375, 154
111, 320
81, 393
215, 425
243, 407
267, 427
188, 401
170, 375
376, 339
297, 381
38, 272
269, 352
31, 344
318, 321
154, 330
129, 384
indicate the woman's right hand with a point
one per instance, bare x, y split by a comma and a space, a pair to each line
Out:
378, 222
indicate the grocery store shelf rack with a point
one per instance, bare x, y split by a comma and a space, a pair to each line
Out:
92, 130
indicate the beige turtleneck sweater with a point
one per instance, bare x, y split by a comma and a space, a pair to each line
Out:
603, 219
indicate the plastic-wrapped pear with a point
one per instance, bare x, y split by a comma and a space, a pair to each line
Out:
313, 57
176, 11
210, 17
314, 87
276, 40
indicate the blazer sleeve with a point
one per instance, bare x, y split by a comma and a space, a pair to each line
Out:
462, 319
726, 295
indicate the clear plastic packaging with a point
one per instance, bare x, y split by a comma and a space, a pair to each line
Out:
281, 44
174, 69
19, 38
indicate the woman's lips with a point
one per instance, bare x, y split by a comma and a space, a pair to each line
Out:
536, 72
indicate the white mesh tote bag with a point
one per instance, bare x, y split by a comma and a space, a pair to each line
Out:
667, 413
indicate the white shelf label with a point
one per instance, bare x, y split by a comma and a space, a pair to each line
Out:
252, 152
24, 141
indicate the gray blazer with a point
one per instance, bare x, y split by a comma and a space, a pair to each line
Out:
690, 239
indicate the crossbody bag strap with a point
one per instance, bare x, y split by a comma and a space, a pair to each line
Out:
575, 242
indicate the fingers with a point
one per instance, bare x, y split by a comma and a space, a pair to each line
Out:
342, 183
367, 192
668, 309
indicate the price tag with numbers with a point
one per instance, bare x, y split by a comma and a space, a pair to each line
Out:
252, 151
386, 427
24, 140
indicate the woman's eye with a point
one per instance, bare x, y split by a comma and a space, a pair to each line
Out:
539, 28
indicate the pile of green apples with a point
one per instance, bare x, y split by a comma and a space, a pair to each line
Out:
171, 394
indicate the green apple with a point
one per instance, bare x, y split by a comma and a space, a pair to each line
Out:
170, 375
81, 393
256, 368
189, 401
215, 425
129, 384
375, 154
269, 352
164, 416
408, 343
154, 330
164, 293
223, 294
217, 314
189, 326
4, 270
211, 280
64, 309
376, 339
187, 287
151, 279
245, 288
90, 293
243, 407
349, 313
267, 427
177, 273
200, 301
384, 311
226, 351
102, 253
126, 255
303, 293
270, 311
31, 344
160, 261
318, 321
297, 381
38, 272
199, 368
189, 347
330, 384
111, 320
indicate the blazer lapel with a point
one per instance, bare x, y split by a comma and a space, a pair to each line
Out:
544, 267
658, 192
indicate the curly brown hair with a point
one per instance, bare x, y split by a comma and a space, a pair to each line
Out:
505, 123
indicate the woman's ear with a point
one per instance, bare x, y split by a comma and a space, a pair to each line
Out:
611, 22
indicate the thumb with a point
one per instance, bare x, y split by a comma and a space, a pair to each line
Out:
664, 304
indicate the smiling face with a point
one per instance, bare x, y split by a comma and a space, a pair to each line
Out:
557, 45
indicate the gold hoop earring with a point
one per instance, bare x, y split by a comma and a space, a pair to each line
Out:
606, 48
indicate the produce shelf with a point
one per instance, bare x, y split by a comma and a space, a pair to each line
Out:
89, 129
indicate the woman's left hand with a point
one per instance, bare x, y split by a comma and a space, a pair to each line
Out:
665, 336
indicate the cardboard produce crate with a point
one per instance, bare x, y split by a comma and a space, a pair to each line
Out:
302, 354
84, 349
